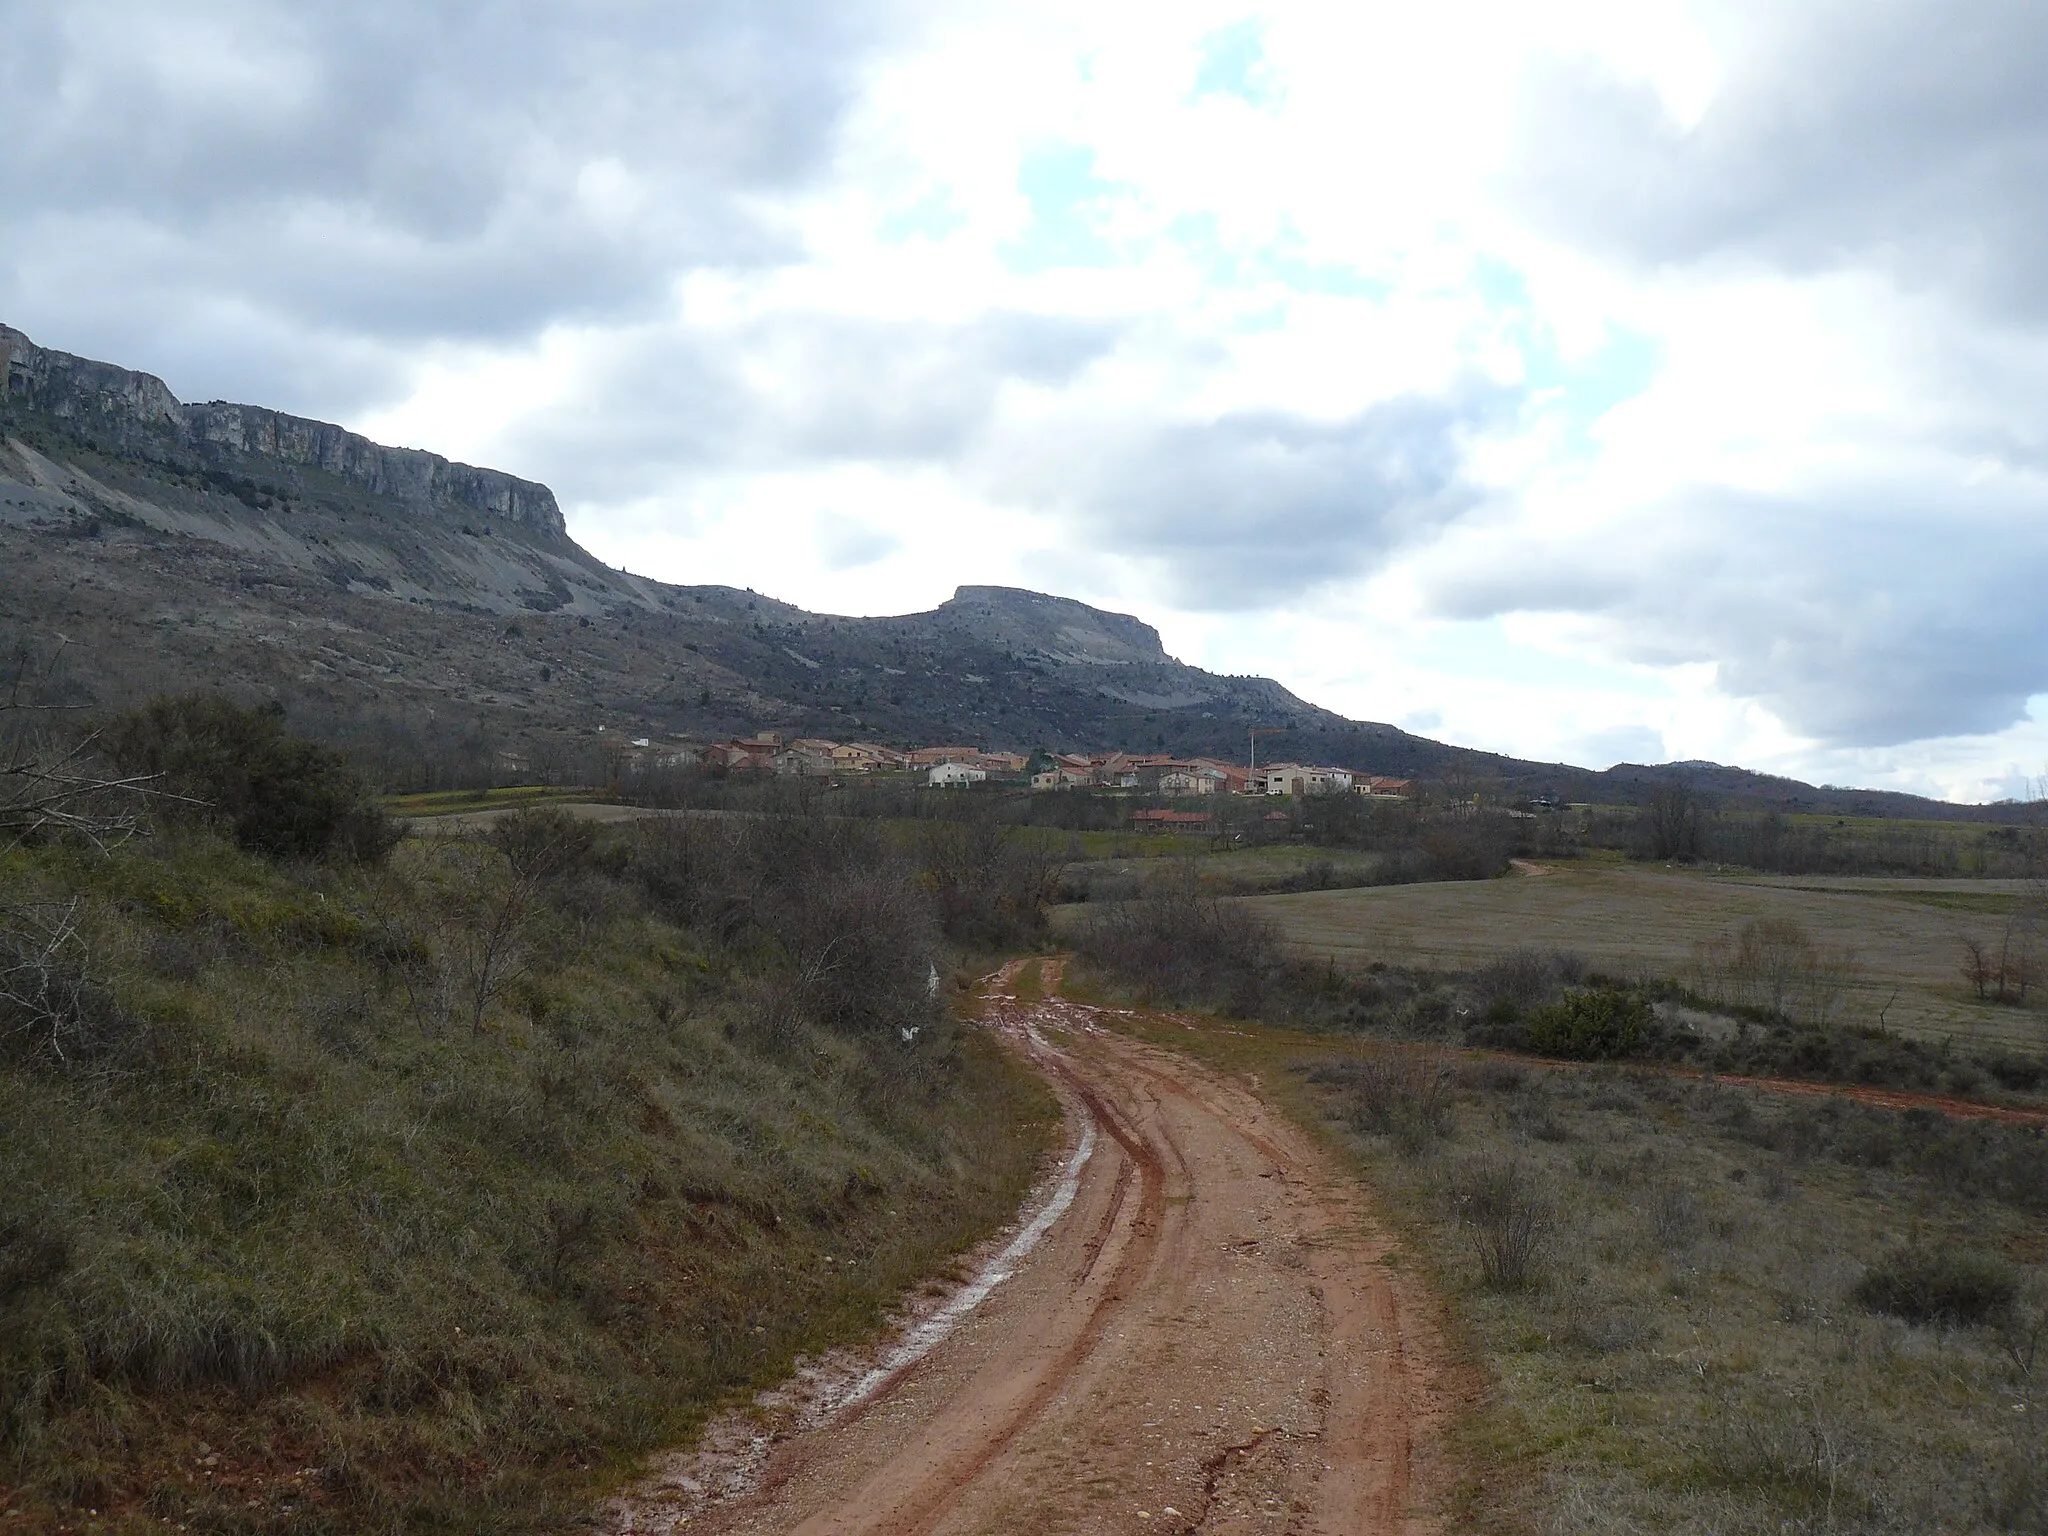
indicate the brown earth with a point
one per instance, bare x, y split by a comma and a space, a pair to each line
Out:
1215, 1336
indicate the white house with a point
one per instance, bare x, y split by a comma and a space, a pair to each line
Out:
956, 776
1294, 779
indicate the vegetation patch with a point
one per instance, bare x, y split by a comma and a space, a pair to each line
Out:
1597, 1024
1925, 1285
427, 1194
1692, 1307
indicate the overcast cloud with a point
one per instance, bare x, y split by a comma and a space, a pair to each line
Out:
1635, 377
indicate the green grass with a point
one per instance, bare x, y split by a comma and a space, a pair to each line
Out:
1118, 844
451, 802
285, 1246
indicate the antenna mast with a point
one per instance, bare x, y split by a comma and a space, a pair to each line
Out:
1270, 730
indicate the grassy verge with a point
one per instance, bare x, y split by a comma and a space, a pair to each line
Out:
1707, 1310
1698, 1308
428, 1197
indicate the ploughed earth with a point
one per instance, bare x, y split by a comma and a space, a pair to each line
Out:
1196, 1327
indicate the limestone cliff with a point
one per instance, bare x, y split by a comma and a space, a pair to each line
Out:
128, 406
1057, 628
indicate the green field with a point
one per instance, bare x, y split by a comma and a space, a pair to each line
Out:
1905, 935
455, 802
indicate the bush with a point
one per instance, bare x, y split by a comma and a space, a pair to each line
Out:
844, 911
1179, 942
1924, 1285
992, 887
1600, 1024
53, 1009
1516, 980
1510, 1218
217, 762
1404, 1096
543, 841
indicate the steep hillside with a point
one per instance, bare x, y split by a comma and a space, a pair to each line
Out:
390, 594
432, 612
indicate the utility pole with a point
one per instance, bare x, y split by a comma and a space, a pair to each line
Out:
1270, 730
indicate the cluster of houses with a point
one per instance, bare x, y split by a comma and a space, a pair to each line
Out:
807, 757
958, 767
1206, 776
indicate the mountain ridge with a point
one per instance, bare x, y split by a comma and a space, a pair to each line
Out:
393, 594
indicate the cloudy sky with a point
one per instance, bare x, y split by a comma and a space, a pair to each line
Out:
1595, 381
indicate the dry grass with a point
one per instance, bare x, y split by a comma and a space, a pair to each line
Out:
1670, 1287
1682, 1298
1643, 922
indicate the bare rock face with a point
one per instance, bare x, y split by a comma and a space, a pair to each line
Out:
1057, 628
132, 405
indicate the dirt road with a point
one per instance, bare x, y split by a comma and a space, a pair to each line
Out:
1211, 1336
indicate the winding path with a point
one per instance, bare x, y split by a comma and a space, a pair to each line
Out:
1211, 1337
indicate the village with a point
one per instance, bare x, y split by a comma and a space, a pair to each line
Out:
959, 767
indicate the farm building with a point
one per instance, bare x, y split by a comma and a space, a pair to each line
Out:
1170, 821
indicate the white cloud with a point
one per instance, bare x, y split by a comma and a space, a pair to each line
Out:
1614, 377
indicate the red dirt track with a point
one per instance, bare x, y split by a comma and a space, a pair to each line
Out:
1212, 1338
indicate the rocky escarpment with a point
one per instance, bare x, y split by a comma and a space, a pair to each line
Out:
1056, 628
128, 409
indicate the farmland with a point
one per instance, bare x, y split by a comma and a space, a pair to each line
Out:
1902, 938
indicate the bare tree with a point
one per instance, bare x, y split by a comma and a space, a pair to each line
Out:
1978, 966
43, 976
1675, 820
50, 786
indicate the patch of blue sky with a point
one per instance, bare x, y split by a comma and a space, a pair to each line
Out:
1331, 278
1201, 237
1233, 63
1067, 201
1484, 650
1576, 391
932, 217
1281, 263
1500, 286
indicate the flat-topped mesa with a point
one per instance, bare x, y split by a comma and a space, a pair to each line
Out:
1057, 627
100, 395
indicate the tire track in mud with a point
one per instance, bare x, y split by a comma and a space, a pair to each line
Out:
1205, 1341
918, 1516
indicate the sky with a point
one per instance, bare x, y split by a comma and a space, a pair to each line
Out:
1597, 381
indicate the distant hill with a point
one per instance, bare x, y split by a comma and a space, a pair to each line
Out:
421, 608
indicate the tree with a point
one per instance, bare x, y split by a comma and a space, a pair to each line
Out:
238, 768
1674, 821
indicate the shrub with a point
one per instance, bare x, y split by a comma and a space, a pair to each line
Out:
1518, 978
1407, 1097
1599, 1024
53, 1009
1181, 942
543, 841
830, 895
1510, 1218
1925, 1285
991, 886
215, 761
